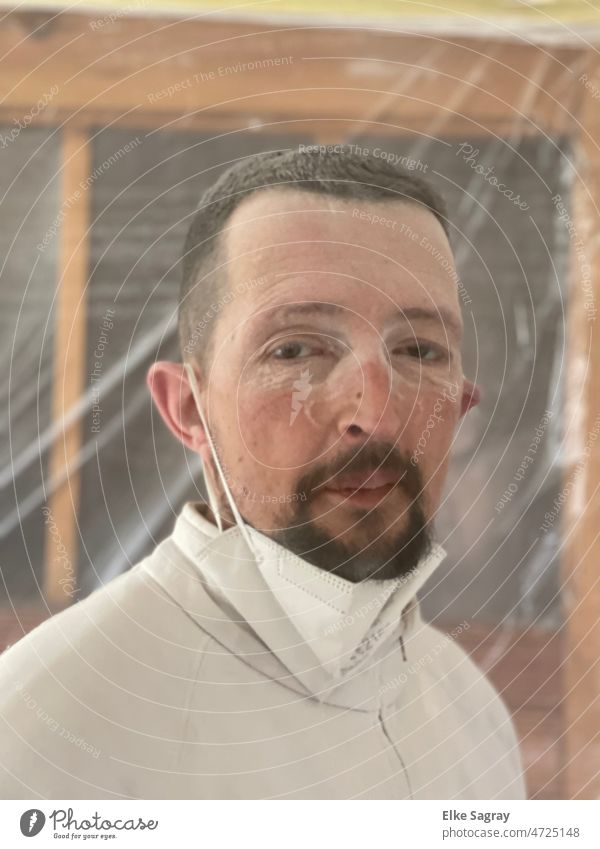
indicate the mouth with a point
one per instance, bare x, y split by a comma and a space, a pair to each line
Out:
365, 490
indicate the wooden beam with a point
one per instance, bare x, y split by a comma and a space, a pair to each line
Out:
323, 130
581, 515
197, 70
61, 540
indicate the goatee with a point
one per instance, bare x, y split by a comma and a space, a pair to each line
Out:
381, 554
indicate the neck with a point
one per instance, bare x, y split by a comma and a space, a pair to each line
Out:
206, 511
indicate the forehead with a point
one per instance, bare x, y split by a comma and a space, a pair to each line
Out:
365, 254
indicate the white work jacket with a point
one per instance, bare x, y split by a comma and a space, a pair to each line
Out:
167, 684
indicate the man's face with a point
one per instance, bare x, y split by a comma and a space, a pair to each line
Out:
336, 380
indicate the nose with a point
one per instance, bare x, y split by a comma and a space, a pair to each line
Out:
365, 401
371, 408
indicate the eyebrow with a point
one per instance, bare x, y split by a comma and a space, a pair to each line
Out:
440, 316
306, 308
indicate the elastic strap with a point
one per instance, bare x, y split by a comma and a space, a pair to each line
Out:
240, 522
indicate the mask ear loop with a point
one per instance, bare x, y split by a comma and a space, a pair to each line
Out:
213, 502
239, 521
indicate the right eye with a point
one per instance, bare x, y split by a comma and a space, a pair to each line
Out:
290, 351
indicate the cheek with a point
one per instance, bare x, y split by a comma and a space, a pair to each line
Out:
430, 433
271, 431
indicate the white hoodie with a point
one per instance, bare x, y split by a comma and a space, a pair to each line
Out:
188, 677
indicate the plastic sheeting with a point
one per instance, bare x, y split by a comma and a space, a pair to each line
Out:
512, 262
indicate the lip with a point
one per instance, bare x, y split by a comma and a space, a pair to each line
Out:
375, 479
360, 497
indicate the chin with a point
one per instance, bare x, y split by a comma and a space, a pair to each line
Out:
366, 568
358, 523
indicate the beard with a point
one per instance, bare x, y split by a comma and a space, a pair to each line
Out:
379, 553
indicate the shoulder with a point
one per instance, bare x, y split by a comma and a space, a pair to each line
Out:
460, 692
462, 681
91, 682
131, 624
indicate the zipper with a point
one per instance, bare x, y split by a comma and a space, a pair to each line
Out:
398, 755
386, 734
403, 650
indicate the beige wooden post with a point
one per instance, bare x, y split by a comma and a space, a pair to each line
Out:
581, 516
60, 553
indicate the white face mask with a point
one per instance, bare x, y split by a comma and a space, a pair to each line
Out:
312, 619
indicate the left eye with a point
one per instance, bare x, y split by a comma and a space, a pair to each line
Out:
291, 351
421, 351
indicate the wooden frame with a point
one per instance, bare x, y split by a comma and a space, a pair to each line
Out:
137, 71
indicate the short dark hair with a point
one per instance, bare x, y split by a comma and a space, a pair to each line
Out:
337, 171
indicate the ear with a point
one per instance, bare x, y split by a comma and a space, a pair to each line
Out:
471, 396
173, 397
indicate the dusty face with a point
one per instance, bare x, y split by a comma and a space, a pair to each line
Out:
336, 382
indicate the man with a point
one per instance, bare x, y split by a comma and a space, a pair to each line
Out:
272, 646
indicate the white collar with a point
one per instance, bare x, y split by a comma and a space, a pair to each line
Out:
340, 621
